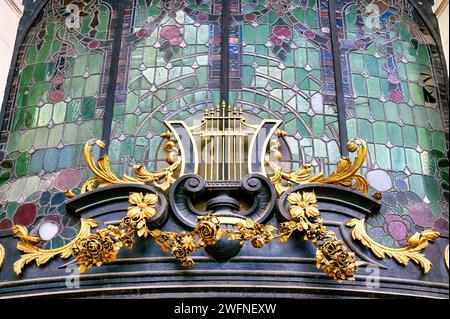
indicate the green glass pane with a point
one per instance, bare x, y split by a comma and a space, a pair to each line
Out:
380, 132
409, 136
73, 110
395, 134
413, 161
88, 108
383, 156
22, 165
45, 114
398, 159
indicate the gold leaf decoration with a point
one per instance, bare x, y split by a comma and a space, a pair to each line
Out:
105, 177
416, 244
345, 173
332, 256
27, 244
95, 249
2, 255
99, 248
165, 178
282, 180
102, 247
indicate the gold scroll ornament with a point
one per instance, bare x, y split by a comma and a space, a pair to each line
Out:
416, 244
331, 256
446, 256
30, 246
105, 177
346, 173
2, 255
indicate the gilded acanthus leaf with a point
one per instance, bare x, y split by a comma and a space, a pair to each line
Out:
105, 177
2, 255
27, 244
416, 244
345, 173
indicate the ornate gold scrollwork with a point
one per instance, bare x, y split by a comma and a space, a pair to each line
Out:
416, 244
345, 173
165, 178
2, 255
332, 256
105, 177
29, 245
103, 246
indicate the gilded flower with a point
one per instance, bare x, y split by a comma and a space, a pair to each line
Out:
188, 243
343, 258
91, 245
288, 226
303, 205
208, 230
188, 261
95, 249
142, 207
316, 231
258, 242
330, 248
178, 251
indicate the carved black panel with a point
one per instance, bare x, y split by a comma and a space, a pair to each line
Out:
191, 196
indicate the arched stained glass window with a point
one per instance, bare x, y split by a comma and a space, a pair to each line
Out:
330, 70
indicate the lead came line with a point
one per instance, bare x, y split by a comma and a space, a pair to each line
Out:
229, 141
241, 148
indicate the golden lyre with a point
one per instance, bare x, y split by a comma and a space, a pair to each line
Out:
223, 146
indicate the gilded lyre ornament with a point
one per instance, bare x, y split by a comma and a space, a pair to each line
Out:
345, 173
222, 146
2, 255
105, 177
416, 244
30, 246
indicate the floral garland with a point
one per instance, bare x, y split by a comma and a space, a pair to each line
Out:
332, 256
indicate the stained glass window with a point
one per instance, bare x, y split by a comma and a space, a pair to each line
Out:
58, 105
285, 71
169, 65
391, 103
168, 76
